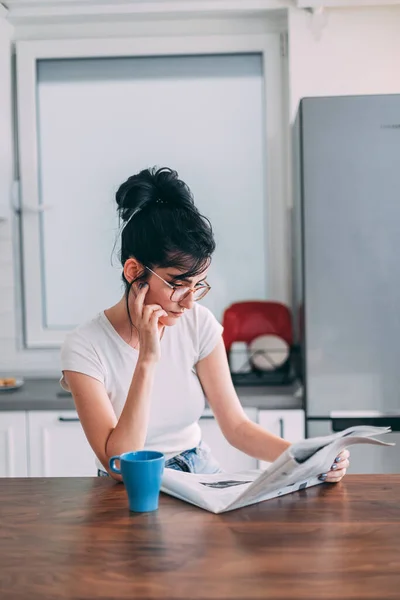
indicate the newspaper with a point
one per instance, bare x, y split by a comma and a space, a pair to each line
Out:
297, 468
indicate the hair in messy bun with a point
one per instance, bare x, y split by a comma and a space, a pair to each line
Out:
163, 228
150, 187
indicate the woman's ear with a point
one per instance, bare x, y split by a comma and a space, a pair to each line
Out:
132, 269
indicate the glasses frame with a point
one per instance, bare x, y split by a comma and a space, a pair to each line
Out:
192, 290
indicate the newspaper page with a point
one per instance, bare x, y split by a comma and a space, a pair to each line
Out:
297, 468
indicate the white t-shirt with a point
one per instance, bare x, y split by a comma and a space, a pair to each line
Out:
177, 399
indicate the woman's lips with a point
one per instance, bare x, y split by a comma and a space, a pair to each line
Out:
176, 314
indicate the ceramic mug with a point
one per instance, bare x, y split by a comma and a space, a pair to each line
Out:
141, 472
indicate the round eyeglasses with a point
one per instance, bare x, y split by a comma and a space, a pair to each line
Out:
180, 292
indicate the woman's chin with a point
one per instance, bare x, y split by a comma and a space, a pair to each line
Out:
169, 321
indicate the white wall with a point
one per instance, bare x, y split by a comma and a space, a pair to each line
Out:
356, 52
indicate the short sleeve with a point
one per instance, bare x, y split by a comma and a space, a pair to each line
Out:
78, 354
209, 332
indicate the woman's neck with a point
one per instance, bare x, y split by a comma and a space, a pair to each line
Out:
119, 319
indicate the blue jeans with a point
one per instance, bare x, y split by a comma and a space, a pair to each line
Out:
196, 460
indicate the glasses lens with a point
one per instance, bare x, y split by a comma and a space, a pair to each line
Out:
200, 293
180, 293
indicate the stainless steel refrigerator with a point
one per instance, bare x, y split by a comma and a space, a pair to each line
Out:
346, 260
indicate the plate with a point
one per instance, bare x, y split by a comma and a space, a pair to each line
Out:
5, 388
268, 352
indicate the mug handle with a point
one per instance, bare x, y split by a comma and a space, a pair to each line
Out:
113, 468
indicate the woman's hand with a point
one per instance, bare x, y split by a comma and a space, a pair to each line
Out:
338, 469
146, 318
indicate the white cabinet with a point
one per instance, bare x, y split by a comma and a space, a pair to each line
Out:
13, 450
230, 458
288, 424
58, 445
53, 444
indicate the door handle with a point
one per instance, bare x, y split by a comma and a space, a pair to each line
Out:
68, 419
281, 428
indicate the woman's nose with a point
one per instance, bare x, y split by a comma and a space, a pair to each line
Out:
188, 301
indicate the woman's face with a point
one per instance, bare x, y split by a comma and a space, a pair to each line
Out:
160, 293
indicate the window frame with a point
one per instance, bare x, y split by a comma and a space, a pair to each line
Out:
29, 52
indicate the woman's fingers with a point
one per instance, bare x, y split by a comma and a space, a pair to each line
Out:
144, 311
138, 303
342, 455
150, 309
341, 465
335, 476
157, 314
338, 469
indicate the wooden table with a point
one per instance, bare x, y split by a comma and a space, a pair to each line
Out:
75, 539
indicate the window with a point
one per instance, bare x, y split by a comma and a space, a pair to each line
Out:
99, 120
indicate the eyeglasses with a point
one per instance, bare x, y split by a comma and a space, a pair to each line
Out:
180, 292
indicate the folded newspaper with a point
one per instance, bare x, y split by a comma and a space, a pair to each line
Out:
297, 468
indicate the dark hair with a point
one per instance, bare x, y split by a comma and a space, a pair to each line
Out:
163, 228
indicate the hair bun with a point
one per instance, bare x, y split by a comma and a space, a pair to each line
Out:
133, 195
152, 187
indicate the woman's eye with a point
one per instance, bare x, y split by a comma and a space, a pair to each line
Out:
179, 285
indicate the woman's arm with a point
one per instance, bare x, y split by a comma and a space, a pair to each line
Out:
215, 378
107, 435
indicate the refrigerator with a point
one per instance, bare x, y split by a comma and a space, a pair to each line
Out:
346, 268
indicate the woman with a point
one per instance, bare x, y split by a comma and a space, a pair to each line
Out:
139, 370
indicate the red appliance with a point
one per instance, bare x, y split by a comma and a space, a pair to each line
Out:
244, 321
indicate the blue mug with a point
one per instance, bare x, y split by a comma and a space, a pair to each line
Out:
141, 473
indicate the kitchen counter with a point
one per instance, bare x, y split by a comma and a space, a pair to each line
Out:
75, 539
46, 394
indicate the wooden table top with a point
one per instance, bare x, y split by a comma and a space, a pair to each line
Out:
74, 538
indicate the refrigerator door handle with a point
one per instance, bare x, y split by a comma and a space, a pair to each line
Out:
380, 420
